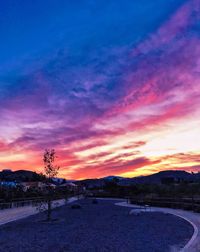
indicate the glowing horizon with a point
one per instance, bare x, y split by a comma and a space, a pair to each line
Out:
113, 86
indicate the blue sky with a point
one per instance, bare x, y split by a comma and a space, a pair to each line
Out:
112, 85
33, 29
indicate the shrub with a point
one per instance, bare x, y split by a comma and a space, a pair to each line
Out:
75, 206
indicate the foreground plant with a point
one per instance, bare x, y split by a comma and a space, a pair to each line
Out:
50, 171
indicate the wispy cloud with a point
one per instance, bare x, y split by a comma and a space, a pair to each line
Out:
109, 100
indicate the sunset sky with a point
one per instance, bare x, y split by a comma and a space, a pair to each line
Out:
112, 85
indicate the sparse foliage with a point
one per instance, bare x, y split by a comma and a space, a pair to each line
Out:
50, 171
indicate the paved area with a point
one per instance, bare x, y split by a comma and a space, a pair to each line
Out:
14, 214
194, 218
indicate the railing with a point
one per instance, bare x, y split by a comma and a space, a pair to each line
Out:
23, 203
29, 202
177, 203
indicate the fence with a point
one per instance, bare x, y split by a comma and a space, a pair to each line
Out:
177, 203
22, 203
29, 202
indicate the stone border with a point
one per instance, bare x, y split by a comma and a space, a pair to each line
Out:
194, 236
191, 242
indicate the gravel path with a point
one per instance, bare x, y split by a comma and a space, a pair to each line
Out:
103, 227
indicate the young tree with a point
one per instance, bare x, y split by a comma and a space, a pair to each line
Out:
50, 171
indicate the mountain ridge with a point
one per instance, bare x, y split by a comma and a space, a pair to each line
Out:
24, 175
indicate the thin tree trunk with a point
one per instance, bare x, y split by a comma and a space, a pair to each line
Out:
49, 210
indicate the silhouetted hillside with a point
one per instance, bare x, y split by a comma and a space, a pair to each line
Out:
169, 176
20, 176
177, 176
156, 178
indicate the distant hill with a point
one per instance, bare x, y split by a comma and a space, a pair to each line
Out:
20, 176
113, 178
92, 183
156, 178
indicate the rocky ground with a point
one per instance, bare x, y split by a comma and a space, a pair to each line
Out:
101, 227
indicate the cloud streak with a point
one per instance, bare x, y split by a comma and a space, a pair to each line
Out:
110, 101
